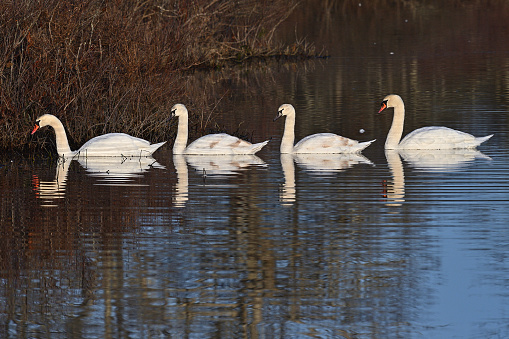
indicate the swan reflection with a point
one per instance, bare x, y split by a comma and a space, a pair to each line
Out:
424, 160
208, 166
220, 165
441, 160
181, 189
287, 193
329, 163
118, 171
315, 164
395, 191
47, 191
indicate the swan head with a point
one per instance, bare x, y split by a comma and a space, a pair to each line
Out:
391, 100
178, 110
284, 109
44, 120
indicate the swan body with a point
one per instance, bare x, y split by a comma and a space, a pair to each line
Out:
107, 145
433, 137
212, 144
315, 143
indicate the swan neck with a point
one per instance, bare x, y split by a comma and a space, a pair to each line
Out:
288, 135
396, 130
181, 139
63, 148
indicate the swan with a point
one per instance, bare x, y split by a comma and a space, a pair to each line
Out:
315, 143
212, 144
433, 137
112, 144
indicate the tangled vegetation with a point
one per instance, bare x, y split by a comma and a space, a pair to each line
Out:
109, 66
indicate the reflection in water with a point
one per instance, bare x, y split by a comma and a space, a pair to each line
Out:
441, 160
287, 194
219, 165
118, 171
323, 164
208, 166
425, 160
47, 191
120, 262
395, 191
329, 163
181, 189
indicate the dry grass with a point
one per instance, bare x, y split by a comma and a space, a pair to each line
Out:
119, 65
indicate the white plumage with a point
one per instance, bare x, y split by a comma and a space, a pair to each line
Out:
433, 137
112, 144
315, 143
212, 144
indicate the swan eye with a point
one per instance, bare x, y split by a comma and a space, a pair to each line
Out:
281, 111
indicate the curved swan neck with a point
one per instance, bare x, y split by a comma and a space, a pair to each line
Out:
288, 134
63, 148
181, 139
396, 130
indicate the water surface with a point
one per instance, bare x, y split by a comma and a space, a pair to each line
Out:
378, 245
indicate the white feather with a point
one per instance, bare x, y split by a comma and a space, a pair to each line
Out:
433, 137
315, 143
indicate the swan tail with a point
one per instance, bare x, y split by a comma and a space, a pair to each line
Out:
480, 140
363, 145
155, 147
258, 146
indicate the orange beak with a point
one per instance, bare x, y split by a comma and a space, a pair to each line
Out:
384, 106
35, 129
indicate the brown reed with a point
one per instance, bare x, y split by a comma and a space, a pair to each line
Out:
110, 66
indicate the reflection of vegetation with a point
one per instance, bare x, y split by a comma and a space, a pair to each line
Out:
222, 267
113, 66
427, 49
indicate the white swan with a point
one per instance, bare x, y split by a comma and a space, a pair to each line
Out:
112, 144
315, 143
434, 137
212, 144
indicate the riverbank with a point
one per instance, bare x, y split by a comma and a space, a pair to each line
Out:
120, 66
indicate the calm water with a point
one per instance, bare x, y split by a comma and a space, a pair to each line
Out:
383, 245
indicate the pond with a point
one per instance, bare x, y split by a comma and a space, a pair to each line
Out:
375, 245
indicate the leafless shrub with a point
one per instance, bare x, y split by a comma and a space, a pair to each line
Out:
119, 65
